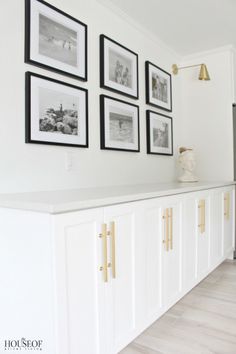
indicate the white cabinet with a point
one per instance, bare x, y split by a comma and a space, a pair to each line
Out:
190, 237
120, 300
27, 283
162, 250
105, 274
196, 238
152, 260
207, 232
203, 234
171, 253
117, 268
95, 271
80, 289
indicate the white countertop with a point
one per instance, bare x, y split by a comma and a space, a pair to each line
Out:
62, 201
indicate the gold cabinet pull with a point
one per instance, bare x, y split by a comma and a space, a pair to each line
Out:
113, 249
164, 218
226, 205
104, 268
166, 229
201, 216
171, 227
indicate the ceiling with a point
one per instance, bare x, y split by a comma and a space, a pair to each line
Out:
187, 26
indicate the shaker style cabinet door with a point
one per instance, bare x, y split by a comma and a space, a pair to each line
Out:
190, 238
202, 205
151, 268
80, 287
120, 221
228, 200
171, 251
202, 235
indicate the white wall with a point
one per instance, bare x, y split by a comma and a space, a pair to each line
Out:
27, 167
207, 113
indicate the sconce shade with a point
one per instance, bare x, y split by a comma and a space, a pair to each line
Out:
204, 75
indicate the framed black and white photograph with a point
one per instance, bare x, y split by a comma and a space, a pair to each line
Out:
159, 134
119, 125
158, 87
118, 68
56, 112
55, 40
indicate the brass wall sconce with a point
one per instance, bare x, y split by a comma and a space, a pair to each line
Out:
203, 74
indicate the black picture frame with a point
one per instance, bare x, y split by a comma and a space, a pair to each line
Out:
159, 150
32, 121
33, 57
162, 96
106, 143
124, 85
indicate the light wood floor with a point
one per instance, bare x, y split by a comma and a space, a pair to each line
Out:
203, 322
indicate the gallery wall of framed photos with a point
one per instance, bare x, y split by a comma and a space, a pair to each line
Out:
59, 120
57, 113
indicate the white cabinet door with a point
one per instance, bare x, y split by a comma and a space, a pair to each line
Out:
161, 218
171, 250
202, 235
203, 232
190, 238
151, 266
228, 196
216, 231
80, 289
121, 221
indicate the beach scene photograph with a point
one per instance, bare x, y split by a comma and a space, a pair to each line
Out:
57, 41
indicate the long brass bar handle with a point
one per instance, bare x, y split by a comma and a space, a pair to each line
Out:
200, 216
165, 240
113, 249
167, 229
104, 268
203, 216
171, 227
226, 205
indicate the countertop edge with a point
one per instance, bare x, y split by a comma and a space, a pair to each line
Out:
65, 207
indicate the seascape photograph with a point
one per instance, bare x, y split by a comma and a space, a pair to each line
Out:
121, 128
57, 41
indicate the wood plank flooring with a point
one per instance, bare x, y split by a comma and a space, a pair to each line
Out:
203, 322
